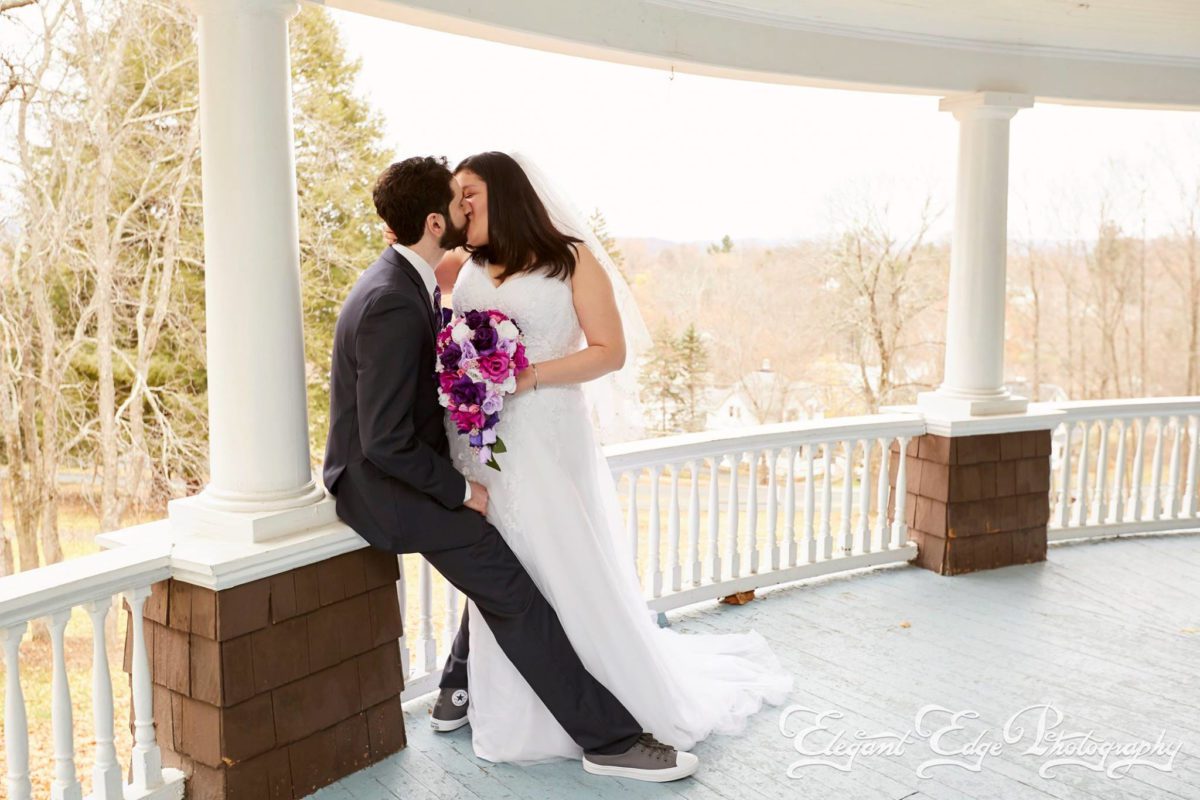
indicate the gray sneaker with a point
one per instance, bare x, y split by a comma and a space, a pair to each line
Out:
648, 760
449, 710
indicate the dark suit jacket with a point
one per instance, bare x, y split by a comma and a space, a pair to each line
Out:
387, 459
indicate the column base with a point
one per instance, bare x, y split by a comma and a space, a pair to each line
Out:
196, 516
944, 403
255, 502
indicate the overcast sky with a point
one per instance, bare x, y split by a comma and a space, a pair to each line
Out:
693, 158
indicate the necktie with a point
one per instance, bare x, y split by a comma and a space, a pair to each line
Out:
437, 304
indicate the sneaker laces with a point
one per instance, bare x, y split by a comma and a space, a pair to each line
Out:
656, 748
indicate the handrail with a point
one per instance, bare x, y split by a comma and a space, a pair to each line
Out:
97, 576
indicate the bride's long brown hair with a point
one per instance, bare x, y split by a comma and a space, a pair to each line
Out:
521, 235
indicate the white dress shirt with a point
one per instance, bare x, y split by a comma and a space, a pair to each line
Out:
430, 280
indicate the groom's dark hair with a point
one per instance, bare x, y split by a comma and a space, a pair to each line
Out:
408, 191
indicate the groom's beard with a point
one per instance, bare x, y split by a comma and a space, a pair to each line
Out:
453, 237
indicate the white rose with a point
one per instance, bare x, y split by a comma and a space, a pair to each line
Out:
507, 329
474, 374
510, 385
461, 332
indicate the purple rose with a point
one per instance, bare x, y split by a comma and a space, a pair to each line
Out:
451, 355
476, 439
477, 319
447, 315
467, 391
490, 421
491, 404
468, 351
485, 339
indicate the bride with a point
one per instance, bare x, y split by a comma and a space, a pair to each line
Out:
554, 501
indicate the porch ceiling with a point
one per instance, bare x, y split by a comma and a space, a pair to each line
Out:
1095, 52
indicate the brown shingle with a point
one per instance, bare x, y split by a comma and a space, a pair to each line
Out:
280, 653
243, 609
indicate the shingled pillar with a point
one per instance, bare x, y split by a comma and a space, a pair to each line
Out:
272, 689
977, 502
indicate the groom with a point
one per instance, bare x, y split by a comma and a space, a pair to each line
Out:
387, 464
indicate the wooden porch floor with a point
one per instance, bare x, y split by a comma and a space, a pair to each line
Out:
1106, 631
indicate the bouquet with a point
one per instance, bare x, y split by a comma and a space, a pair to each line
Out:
479, 354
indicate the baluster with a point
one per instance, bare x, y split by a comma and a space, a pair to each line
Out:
65, 785
731, 544
402, 599
1098, 510
1173, 481
428, 644
1189, 498
1064, 479
694, 524
147, 759
751, 546
673, 531
810, 533
789, 508
714, 519
1117, 493
772, 510
106, 773
1138, 459
900, 523
653, 570
16, 727
452, 621
881, 493
864, 500
1156, 470
631, 520
827, 503
846, 537
1082, 491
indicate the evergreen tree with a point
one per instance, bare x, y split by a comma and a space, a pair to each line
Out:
692, 354
599, 227
339, 153
660, 379
725, 246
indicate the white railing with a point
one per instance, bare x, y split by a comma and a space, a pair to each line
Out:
706, 516
1107, 467
709, 515
92, 582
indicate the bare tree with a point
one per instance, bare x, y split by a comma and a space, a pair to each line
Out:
885, 280
106, 155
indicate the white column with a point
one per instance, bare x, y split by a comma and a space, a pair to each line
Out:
973, 380
261, 483
258, 417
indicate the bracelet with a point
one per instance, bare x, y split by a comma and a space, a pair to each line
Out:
535, 377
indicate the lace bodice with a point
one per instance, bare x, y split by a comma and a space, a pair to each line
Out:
541, 306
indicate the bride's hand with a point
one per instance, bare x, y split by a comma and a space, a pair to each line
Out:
524, 381
388, 235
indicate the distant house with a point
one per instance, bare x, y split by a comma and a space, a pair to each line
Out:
762, 397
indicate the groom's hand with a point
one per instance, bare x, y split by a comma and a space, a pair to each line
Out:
479, 498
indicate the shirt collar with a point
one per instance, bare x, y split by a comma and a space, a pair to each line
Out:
422, 267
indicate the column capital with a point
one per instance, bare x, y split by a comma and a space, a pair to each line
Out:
207, 8
985, 104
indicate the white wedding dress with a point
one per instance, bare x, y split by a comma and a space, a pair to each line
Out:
556, 505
